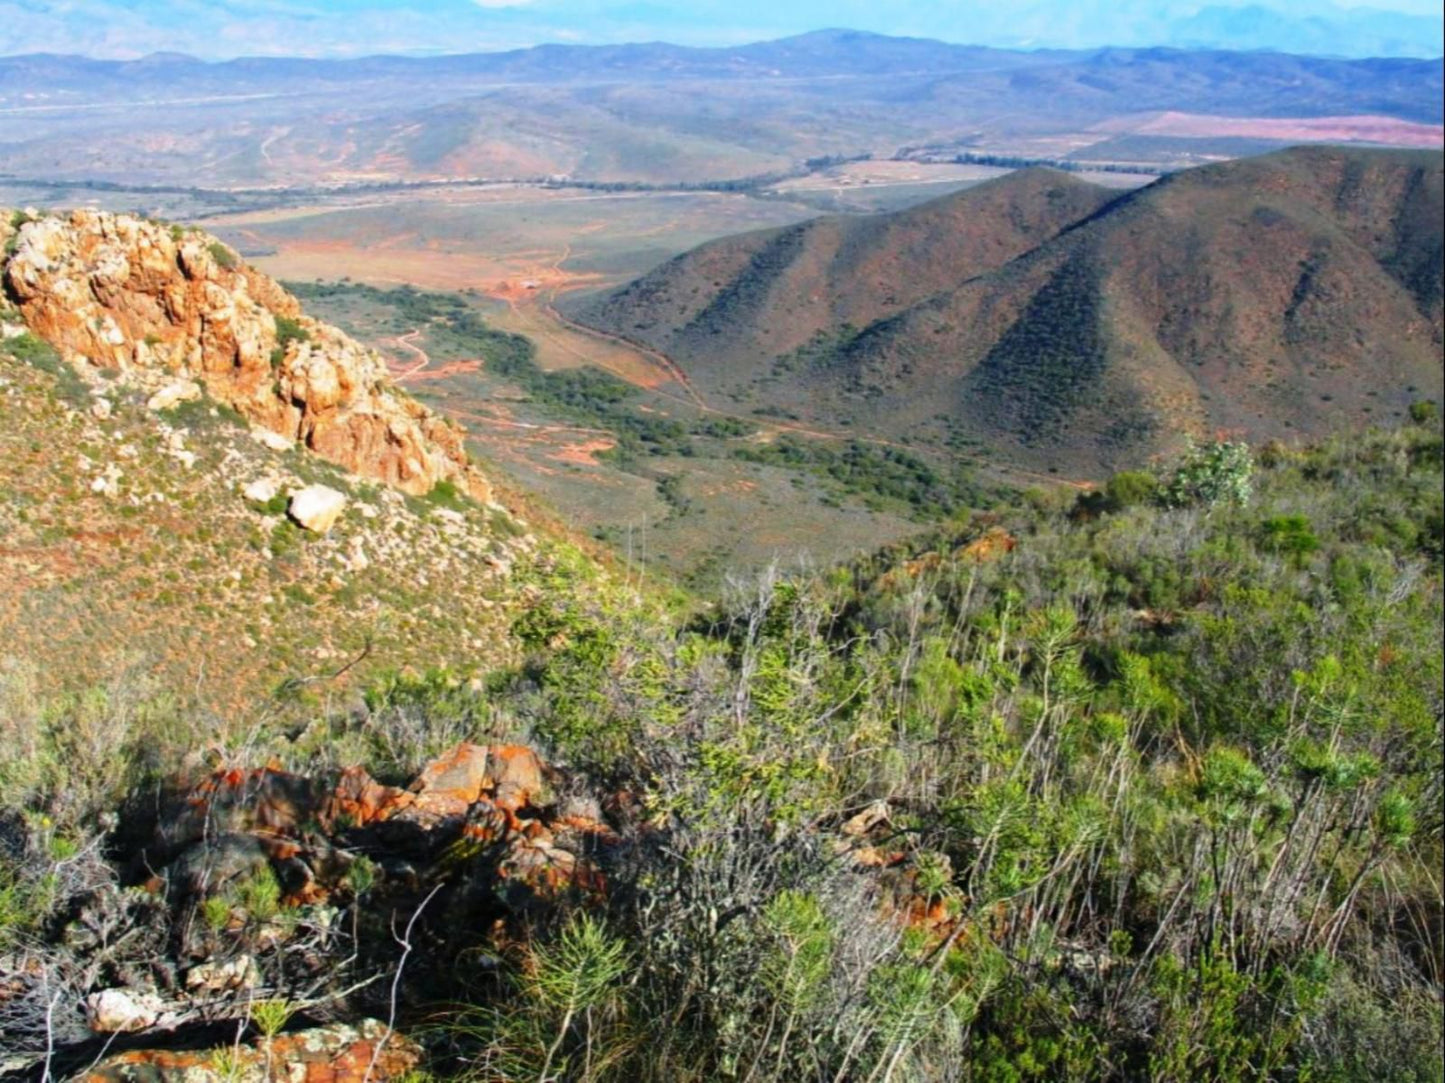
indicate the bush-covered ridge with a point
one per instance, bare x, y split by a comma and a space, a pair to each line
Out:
1140, 785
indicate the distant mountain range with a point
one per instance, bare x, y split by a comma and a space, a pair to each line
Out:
1219, 77
665, 114
349, 28
1073, 327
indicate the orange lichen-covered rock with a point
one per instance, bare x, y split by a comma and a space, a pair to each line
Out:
452, 783
516, 776
508, 776
474, 813
333, 1054
243, 800
994, 544
122, 293
358, 800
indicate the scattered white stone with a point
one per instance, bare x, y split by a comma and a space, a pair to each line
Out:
316, 508
262, 490
100, 409
368, 511
11, 330
122, 1011
173, 394
273, 440
109, 482
447, 515
358, 560
185, 458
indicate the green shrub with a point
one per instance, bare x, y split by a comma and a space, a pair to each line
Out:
1130, 488
446, 494
33, 350
1291, 535
1218, 472
224, 256
288, 330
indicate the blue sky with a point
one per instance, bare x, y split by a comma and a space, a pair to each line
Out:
222, 28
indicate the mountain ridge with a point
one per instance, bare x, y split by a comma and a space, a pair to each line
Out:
211, 27
660, 114
1290, 293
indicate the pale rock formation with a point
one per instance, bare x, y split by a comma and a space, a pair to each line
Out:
316, 507
123, 1011
262, 490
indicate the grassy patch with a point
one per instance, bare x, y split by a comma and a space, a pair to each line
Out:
223, 256
31, 349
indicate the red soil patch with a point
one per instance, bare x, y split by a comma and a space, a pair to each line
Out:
585, 453
1388, 131
441, 372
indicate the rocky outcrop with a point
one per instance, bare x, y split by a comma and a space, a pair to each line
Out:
120, 293
252, 885
478, 809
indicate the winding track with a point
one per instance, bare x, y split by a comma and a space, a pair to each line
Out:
407, 342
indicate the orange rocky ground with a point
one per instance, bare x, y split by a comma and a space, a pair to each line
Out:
365, 1053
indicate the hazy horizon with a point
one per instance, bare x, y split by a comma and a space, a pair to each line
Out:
224, 29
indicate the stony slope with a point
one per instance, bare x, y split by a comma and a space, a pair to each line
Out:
1294, 293
150, 471
132, 551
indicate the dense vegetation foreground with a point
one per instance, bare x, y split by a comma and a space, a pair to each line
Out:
1146, 785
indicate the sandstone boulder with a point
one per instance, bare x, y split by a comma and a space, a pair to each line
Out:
273, 440
223, 976
316, 508
507, 776
262, 490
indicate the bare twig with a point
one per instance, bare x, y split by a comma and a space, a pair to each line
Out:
405, 941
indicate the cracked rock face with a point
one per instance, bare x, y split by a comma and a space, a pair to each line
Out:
116, 292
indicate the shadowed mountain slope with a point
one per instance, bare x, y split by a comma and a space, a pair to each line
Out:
1294, 293
741, 301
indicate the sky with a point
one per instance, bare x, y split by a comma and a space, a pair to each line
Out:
217, 29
